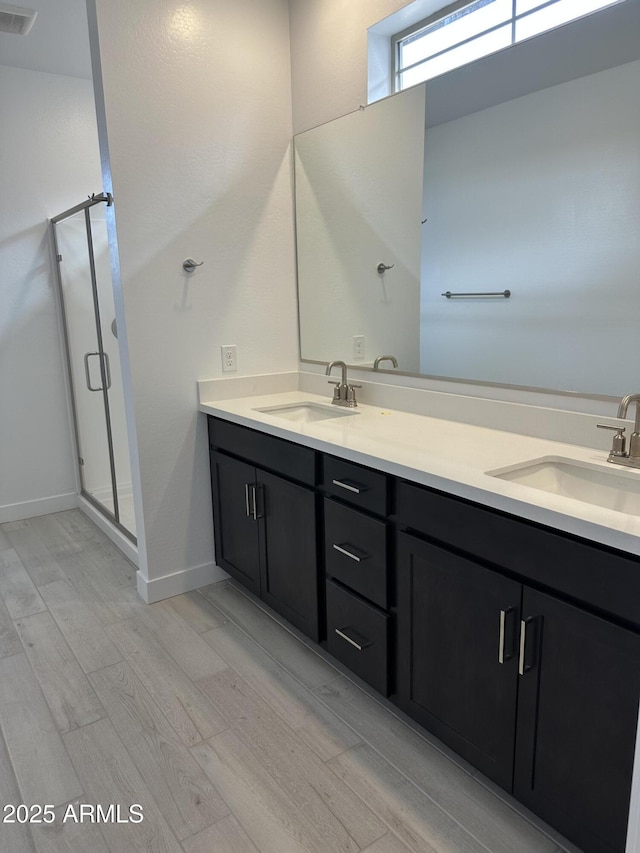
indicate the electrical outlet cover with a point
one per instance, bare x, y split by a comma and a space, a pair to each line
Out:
229, 358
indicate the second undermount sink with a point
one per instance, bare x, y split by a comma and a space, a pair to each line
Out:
307, 412
616, 489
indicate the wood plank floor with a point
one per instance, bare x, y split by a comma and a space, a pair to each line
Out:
230, 730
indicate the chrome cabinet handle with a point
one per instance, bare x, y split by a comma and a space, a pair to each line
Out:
348, 486
523, 634
251, 501
255, 512
341, 633
349, 554
523, 666
502, 657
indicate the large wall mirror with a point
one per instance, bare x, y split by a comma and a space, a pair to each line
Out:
485, 226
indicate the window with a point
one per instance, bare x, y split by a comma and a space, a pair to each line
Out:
476, 29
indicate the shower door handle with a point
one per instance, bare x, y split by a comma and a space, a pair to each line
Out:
107, 371
87, 356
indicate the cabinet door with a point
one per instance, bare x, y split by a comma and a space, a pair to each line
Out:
289, 547
577, 718
456, 622
236, 531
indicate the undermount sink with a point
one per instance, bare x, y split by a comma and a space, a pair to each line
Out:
614, 489
307, 412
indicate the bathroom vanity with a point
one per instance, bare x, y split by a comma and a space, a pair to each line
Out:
513, 636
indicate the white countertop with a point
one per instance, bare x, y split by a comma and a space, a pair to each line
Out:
446, 455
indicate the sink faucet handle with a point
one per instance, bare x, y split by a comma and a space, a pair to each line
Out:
618, 447
336, 390
351, 394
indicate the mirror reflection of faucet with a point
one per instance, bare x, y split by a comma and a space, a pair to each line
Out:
619, 454
344, 394
380, 358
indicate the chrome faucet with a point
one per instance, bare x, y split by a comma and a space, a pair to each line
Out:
391, 358
343, 394
618, 453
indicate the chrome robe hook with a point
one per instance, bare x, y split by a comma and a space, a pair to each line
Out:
189, 265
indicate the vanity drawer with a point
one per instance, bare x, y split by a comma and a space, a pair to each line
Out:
356, 551
355, 484
358, 635
593, 574
267, 451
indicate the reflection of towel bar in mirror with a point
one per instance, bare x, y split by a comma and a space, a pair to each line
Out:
505, 293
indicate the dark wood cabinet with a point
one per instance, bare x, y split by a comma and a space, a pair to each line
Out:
554, 722
288, 550
358, 635
236, 533
355, 484
456, 622
266, 538
355, 548
577, 719
356, 564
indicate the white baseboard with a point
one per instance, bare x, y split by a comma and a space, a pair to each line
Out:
42, 506
167, 586
124, 544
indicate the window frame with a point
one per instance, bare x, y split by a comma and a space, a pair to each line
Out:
396, 39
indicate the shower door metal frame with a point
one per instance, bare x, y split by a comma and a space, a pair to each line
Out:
105, 371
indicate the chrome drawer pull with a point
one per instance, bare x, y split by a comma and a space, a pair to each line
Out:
246, 499
349, 640
503, 624
348, 487
256, 511
349, 554
501, 643
523, 666
523, 634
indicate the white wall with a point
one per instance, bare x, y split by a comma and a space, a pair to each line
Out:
343, 170
198, 119
537, 197
329, 56
48, 162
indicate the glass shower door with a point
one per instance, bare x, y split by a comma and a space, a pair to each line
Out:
84, 277
110, 347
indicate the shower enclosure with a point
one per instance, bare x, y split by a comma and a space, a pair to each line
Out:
86, 296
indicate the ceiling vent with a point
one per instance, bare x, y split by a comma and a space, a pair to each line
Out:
16, 20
